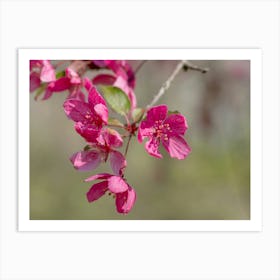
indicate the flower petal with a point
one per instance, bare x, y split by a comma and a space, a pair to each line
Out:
113, 138
99, 176
89, 132
61, 84
97, 190
102, 111
48, 92
116, 184
47, 72
86, 160
87, 84
152, 147
35, 81
157, 113
125, 201
94, 97
177, 147
76, 93
78, 111
117, 162
104, 79
145, 130
73, 76
177, 123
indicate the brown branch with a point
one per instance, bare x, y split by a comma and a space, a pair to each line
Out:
183, 64
127, 145
189, 66
139, 66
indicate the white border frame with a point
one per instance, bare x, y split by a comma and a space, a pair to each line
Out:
254, 224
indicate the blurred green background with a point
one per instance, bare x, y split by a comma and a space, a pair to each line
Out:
212, 183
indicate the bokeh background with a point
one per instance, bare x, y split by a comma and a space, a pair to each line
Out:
212, 183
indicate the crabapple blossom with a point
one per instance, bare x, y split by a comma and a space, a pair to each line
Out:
125, 195
159, 127
103, 147
94, 112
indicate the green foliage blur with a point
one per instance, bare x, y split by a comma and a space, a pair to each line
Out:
213, 183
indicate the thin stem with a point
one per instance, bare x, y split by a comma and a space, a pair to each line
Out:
139, 66
183, 64
189, 66
127, 144
167, 84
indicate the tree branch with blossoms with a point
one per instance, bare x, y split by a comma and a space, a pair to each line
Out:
87, 105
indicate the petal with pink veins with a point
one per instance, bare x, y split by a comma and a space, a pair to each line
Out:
157, 113
117, 162
177, 147
94, 97
113, 138
125, 201
177, 123
78, 111
89, 132
152, 146
102, 111
117, 185
96, 191
86, 160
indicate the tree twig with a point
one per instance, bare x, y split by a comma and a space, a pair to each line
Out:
127, 145
139, 66
189, 66
183, 64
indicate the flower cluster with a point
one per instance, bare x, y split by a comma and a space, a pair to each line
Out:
88, 107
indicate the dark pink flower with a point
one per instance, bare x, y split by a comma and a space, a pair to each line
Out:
104, 143
168, 129
71, 81
41, 71
44, 68
92, 113
125, 195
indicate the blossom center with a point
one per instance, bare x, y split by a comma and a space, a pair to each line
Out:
161, 130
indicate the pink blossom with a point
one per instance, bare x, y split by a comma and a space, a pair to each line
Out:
168, 129
103, 144
92, 113
125, 195
71, 81
44, 68
41, 72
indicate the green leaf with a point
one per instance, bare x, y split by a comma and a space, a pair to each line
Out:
117, 99
115, 122
60, 74
137, 114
